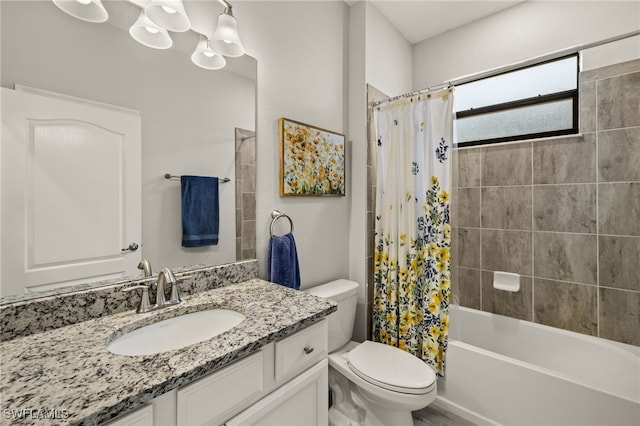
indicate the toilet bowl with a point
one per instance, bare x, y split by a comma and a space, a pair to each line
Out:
371, 383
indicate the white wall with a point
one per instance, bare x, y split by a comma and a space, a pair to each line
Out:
527, 30
389, 56
302, 53
188, 114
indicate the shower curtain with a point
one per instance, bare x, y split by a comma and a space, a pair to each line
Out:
412, 229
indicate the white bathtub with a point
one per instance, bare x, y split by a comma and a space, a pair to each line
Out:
501, 370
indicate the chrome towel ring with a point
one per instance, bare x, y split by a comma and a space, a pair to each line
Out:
275, 215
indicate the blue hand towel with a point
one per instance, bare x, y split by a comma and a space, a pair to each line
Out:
200, 211
282, 261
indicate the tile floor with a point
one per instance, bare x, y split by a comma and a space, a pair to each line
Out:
436, 416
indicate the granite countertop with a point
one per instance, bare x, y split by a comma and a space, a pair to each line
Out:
70, 370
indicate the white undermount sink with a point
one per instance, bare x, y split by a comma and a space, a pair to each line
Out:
176, 333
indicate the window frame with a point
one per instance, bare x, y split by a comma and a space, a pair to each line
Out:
572, 95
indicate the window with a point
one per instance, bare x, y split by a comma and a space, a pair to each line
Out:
533, 102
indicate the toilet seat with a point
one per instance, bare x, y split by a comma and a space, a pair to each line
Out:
391, 368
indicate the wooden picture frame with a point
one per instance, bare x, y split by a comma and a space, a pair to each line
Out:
312, 160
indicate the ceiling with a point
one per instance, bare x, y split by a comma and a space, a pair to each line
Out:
418, 20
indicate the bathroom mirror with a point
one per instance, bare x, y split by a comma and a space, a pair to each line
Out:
192, 119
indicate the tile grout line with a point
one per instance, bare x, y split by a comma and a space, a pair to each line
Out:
553, 184
557, 280
593, 234
533, 247
597, 212
482, 150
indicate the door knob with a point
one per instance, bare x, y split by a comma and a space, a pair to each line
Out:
132, 247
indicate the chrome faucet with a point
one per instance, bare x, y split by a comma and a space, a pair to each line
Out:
165, 277
145, 266
174, 299
160, 284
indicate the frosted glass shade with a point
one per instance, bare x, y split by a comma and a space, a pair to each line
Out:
149, 34
205, 57
169, 14
89, 10
226, 40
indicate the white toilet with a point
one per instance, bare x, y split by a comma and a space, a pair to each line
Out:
371, 383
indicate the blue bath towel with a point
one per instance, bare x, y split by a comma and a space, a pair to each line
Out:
282, 261
200, 211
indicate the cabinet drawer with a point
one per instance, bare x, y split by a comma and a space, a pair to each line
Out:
214, 396
301, 350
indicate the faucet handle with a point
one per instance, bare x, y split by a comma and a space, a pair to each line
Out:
184, 278
174, 299
145, 306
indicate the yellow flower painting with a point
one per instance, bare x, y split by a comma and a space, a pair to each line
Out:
311, 160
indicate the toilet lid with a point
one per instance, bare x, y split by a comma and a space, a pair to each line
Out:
391, 368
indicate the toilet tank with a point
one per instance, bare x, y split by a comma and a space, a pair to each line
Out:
345, 294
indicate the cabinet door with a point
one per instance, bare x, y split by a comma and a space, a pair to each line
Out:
70, 188
301, 402
140, 417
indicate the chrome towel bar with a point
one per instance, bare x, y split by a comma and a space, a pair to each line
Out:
275, 215
170, 176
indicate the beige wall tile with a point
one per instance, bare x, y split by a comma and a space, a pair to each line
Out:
619, 208
566, 305
516, 305
469, 167
506, 165
469, 287
468, 207
619, 259
565, 208
508, 251
566, 257
618, 101
468, 247
567, 160
619, 315
619, 154
506, 207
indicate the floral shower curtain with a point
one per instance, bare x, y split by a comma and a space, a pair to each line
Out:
412, 229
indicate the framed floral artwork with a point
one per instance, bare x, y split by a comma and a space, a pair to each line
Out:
311, 160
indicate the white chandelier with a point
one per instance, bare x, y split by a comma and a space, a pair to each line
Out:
158, 17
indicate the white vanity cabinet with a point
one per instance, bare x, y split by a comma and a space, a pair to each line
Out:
284, 383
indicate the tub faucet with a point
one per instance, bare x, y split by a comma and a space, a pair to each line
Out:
145, 266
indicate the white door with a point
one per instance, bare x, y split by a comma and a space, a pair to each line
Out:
70, 192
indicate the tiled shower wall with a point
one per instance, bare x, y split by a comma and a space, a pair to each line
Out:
563, 213
245, 194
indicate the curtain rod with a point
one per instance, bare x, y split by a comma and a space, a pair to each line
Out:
515, 65
427, 91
